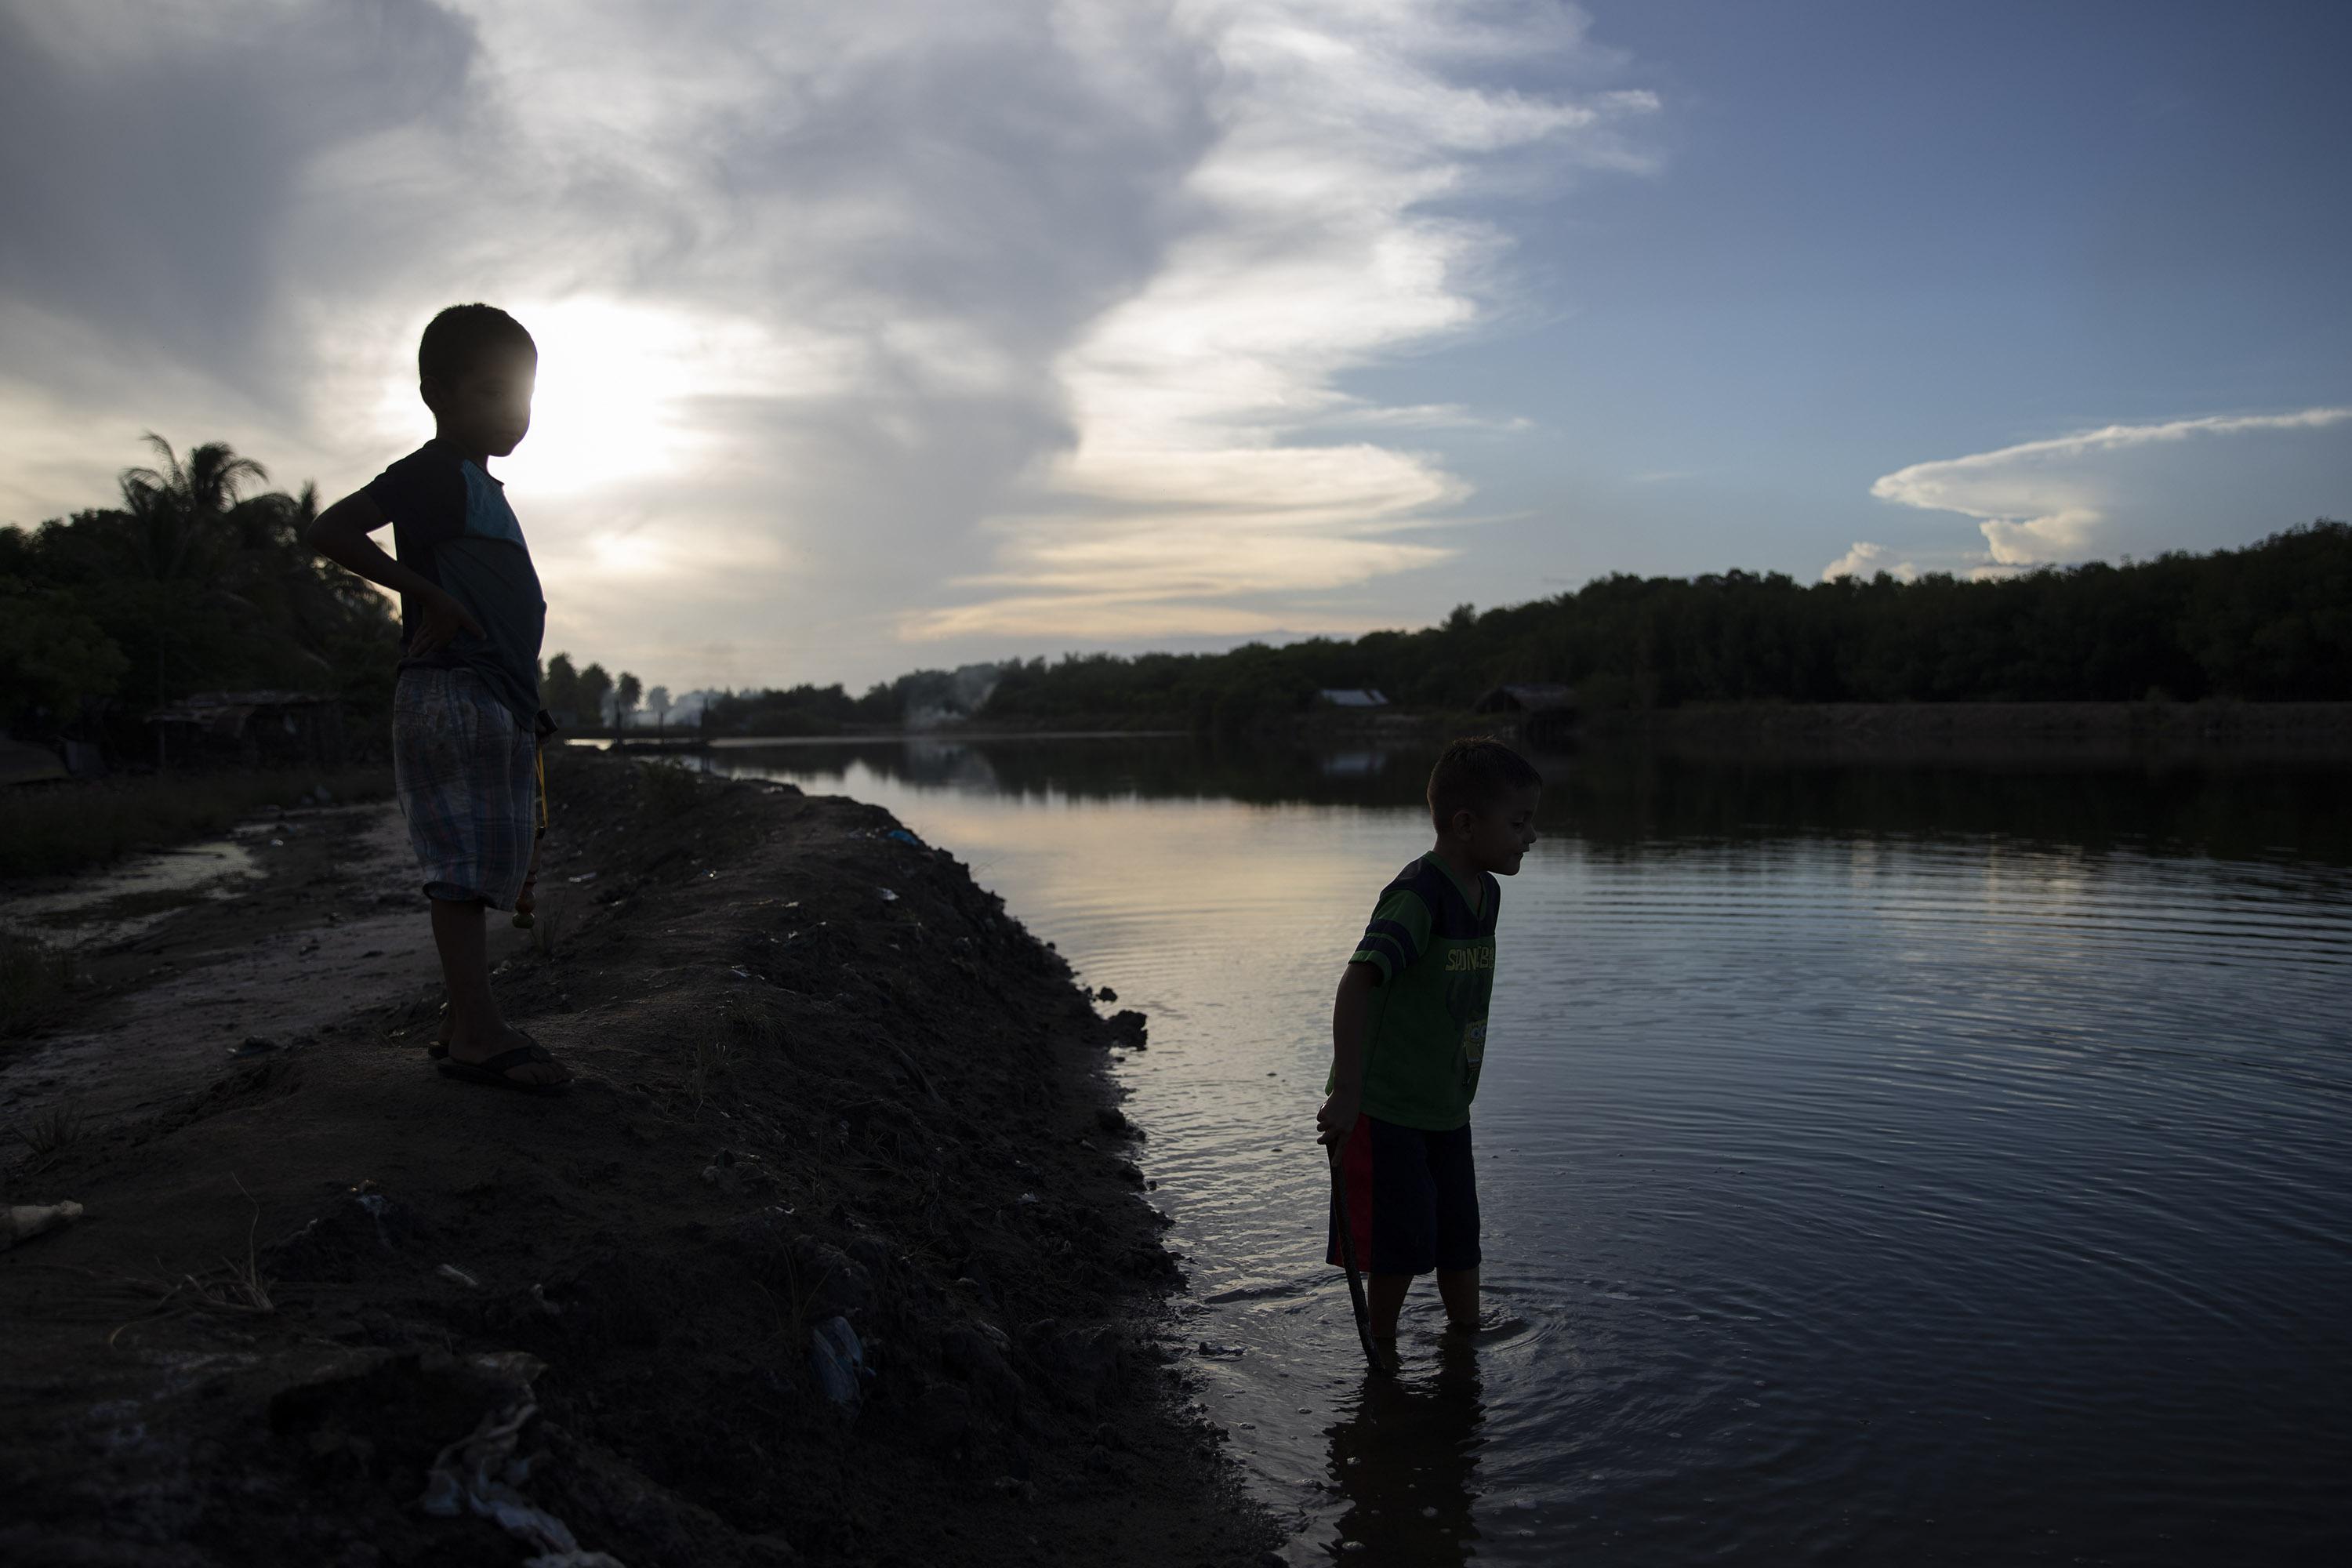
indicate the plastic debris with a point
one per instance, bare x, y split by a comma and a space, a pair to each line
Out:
457, 1276
1221, 1353
739, 972
887, 896
583, 877
479, 1474
839, 1361
903, 836
254, 1045
22, 1222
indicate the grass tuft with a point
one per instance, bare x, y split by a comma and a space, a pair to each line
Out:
47, 1134
713, 1058
235, 1287
758, 1027
33, 979
549, 920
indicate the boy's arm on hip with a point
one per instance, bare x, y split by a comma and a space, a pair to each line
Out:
341, 534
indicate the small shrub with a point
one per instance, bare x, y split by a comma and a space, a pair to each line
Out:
670, 789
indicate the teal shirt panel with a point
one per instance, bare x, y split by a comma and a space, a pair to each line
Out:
451, 525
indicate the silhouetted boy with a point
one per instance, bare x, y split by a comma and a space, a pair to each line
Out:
1408, 1036
465, 712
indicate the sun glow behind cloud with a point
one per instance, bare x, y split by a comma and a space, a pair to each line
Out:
1015, 323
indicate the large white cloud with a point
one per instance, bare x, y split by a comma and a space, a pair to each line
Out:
989, 324
1316, 249
2041, 502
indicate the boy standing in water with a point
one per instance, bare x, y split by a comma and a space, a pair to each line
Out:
465, 713
1409, 1035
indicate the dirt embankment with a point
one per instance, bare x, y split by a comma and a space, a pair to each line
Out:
822, 1076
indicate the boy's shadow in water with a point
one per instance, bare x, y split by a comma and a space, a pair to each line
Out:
1405, 1459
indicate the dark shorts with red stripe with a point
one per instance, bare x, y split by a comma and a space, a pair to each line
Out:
1412, 1198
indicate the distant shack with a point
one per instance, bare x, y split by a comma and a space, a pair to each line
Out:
249, 728
1541, 712
21, 763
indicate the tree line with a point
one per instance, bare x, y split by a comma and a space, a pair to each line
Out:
593, 698
913, 700
2270, 622
200, 579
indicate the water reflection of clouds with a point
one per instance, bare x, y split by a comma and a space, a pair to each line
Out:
1633, 804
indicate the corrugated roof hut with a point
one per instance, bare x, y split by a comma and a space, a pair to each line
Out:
22, 762
1544, 712
1528, 699
251, 729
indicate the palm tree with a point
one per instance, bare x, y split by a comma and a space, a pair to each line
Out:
182, 514
225, 583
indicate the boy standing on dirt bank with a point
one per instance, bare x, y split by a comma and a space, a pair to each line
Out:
466, 711
1409, 1035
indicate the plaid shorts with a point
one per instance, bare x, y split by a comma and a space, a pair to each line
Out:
465, 770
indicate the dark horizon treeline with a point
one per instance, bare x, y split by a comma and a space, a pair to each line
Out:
193, 584
2270, 622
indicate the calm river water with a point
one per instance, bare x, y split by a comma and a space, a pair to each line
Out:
1922, 1164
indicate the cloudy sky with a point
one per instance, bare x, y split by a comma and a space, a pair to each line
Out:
910, 333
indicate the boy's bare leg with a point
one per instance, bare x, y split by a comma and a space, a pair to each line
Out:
476, 1032
459, 933
1385, 1297
1458, 1288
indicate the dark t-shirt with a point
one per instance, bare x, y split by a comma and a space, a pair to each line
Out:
452, 526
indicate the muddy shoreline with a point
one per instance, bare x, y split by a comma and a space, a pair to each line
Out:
822, 1076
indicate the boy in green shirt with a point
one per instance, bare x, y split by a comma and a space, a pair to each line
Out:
1409, 1034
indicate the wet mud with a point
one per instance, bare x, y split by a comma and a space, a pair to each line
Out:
325, 1306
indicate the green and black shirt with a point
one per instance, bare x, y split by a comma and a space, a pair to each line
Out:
1431, 937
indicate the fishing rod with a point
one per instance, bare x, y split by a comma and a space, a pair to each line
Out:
1347, 1258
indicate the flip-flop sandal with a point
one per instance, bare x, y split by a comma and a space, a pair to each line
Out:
439, 1049
493, 1070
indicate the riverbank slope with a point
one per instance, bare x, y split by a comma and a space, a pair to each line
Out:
822, 1075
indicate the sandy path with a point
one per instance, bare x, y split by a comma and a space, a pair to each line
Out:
328, 918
